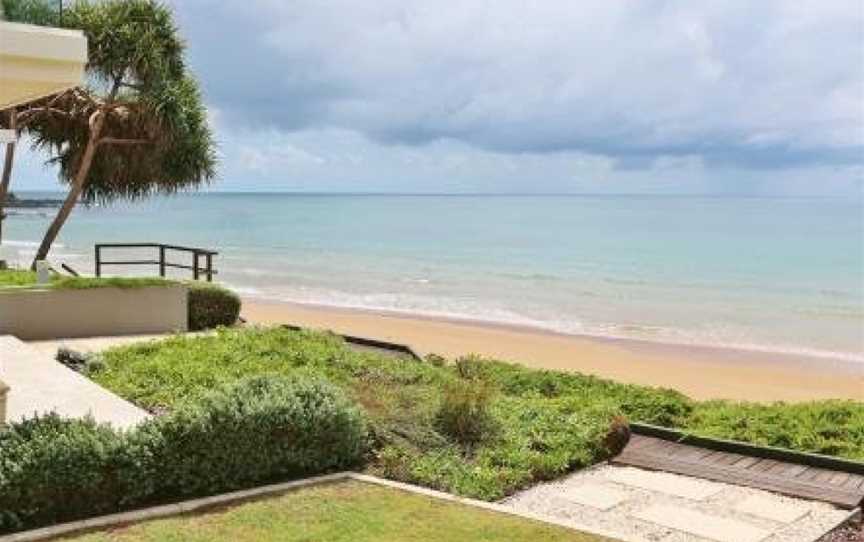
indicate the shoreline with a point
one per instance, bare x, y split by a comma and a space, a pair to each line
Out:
702, 372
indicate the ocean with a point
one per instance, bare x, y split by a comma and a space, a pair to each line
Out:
772, 274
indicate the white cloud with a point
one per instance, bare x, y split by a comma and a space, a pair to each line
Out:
275, 156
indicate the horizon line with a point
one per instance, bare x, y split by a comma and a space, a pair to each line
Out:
475, 194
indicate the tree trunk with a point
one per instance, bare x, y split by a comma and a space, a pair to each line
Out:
74, 191
57, 223
7, 174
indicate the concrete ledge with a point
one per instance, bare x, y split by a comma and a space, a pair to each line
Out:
236, 497
36, 314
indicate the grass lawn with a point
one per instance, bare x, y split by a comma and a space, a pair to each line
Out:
16, 277
342, 512
540, 424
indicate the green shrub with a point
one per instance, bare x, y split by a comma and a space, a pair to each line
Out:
536, 439
464, 412
655, 406
256, 430
472, 368
547, 437
395, 462
211, 306
54, 470
436, 360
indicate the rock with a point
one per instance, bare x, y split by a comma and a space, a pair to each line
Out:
16, 203
618, 436
72, 359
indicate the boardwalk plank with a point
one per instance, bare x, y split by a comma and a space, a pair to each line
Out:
747, 462
730, 459
839, 478
839, 488
823, 476
793, 470
763, 465
638, 442
854, 482
694, 452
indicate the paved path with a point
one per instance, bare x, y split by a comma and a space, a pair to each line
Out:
641, 505
39, 384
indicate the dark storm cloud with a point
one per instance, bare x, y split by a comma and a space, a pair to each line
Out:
743, 84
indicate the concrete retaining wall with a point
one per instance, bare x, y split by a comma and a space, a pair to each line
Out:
4, 391
35, 314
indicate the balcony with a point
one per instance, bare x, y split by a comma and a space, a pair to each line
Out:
38, 61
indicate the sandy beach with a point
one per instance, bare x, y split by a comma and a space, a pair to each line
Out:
700, 372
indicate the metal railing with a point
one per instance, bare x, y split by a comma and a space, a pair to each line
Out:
197, 254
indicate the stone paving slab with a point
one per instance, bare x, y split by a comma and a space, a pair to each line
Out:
704, 525
664, 482
780, 512
39, 384
627, 520
596, 496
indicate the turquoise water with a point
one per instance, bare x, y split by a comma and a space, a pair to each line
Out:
773, 274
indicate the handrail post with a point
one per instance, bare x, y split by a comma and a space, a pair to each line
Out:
98, 258
195, 265
209, 259
162, 261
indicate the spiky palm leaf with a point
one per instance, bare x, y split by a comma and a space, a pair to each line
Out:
158, 142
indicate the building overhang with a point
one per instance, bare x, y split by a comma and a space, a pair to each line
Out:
38, 61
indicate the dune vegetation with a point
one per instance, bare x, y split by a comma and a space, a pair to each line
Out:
475, 427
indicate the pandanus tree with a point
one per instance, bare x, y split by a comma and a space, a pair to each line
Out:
138, 127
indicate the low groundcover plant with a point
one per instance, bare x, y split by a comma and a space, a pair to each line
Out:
476, 427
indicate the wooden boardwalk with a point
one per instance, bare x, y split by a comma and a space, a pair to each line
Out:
839, 487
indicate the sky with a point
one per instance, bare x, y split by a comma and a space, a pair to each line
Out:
519, 96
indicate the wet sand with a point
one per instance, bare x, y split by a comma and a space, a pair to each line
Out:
700, 372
